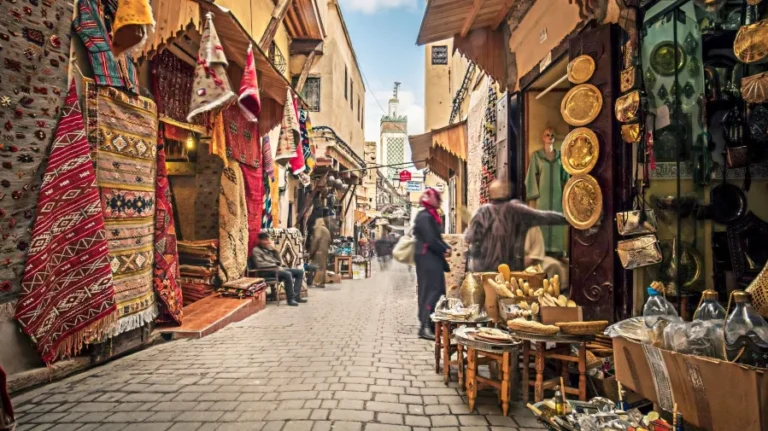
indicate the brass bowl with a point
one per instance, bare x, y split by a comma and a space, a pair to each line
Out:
663, 58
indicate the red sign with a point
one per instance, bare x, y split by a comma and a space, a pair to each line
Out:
405, 176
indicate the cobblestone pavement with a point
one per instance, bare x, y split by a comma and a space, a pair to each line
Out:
348, 360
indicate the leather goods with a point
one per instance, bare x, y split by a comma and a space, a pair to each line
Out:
629, 223
627, 107
639, 252
737, 157
746, 246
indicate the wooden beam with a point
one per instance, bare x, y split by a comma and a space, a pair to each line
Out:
305, 46
305, 72
502, 14
471, 18
277, 17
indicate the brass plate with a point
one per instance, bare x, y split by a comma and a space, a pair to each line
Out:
751, 44
631, 133
580, 151
581, 69
627, 107
582, 201
581, 105
663, 58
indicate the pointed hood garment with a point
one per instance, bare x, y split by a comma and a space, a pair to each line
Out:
249, 100
211, 89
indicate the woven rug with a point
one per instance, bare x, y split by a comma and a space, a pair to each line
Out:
166, 269
478, 102
457, 262
242, 137
208, 184
126, 161
67, 292
35, 55
254, 197
233, 224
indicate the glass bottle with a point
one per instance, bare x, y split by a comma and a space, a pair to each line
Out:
709, 309
744, 319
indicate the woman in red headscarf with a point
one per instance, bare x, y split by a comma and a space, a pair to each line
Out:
430, 259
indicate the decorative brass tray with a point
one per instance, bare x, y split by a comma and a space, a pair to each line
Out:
580, 151
582, 201
751, 44
631, 133
581, 69
663, 58
581, 105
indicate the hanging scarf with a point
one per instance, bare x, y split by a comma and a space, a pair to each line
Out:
211, 89
430, 200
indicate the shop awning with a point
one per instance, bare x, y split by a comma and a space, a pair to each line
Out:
303, 20
360, 217
443, 149
486, 49
445, 19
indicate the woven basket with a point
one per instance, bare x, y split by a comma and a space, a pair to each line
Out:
533, 328
582, 328
759, 291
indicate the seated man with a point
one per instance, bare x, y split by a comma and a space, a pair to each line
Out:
265, 256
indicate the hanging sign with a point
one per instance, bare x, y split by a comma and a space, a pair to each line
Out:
405, 176
413, 186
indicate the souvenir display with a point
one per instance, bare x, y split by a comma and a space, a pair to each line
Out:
631, 133
751, 44
758, 124
628, 79
581, 69
754, 89
488, 158
667, 57
639, 252
582, 328
581, 105
636, 222
580, 151
582, 202
688, 268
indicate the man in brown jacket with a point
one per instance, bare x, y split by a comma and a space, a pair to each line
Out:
266, 256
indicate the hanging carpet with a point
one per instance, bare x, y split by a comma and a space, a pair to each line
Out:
126, 151
254, 197
242, 137
166, 269
233, 224
307, 146
35, 55
290, 135
67, 292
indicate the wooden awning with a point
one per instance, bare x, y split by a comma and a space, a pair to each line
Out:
303, 20
487, 50
443, 149
445, 19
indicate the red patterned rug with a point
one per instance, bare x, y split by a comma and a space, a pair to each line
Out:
166, 271
67, 294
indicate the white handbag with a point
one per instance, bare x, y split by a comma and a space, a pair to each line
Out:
405, 249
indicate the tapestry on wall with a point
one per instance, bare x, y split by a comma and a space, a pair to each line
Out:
126, 163
268, 169
208, 185
233, 224
67, 295
34, 83
254, 198
166, 269
475, 122
173, 78
242, 137
489, 157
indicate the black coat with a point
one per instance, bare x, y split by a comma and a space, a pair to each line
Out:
430, 247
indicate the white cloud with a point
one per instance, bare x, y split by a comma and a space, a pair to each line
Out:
373, 6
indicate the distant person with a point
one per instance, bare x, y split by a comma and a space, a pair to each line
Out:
321, 242
266, 257
384, 248
430, 258
497, 231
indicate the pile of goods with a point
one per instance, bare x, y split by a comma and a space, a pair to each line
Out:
526, 326
199, 262
598, 414
454, 309
243, 288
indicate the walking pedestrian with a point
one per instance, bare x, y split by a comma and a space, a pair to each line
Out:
321, 241
266, 257
497, 232
430, 259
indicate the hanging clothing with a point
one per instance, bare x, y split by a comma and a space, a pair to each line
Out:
305, 126
497, 233
133, 21
211, 90
544, 184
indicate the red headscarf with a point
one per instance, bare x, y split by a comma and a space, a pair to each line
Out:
430, 200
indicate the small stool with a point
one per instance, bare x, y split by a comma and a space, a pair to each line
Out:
560, 352
444, 349
500, 354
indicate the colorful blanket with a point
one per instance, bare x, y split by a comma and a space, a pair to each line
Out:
33, 86
126, 163
242, 137
307, 146
233, 224
166, 270
67, 292
254, 197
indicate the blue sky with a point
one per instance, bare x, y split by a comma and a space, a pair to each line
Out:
383, 34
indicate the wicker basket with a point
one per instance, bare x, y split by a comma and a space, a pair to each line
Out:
533, 328
582, 328
759, 291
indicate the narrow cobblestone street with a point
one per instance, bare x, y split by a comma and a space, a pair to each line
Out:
348, 360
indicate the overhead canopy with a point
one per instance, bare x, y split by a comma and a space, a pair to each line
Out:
303, 20
443, 149
445, 19
485, 48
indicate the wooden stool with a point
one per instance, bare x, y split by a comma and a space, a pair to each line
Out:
560, 352
444, 349
500, 354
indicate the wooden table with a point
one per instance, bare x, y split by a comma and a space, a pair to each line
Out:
443, 347
560, 352
343, 266
501, 354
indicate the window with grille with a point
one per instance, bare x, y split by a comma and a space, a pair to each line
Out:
311, 92
440, 55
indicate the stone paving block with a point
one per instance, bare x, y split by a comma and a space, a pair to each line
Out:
418, 421
160, 426
322, 426
241, 426
528, 422
189, 426
385, 427
378, 406
64, 427
302, 395
444, 421
472, 420
163, 416
273, 426
437, 410
389, 418
250, 416
210, 396
298, 426
351, 415
347, 426
344, 395
278, 415
128, 417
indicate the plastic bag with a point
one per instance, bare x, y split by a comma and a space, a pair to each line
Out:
700, 338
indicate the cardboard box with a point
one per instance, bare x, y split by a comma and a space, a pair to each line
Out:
609, 388
332, 277
711, 394
552, 315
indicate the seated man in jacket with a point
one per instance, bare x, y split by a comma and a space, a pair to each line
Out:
266, 256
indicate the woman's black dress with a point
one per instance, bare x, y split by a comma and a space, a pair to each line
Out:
431, 265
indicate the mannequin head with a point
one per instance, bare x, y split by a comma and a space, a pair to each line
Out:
548, 138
